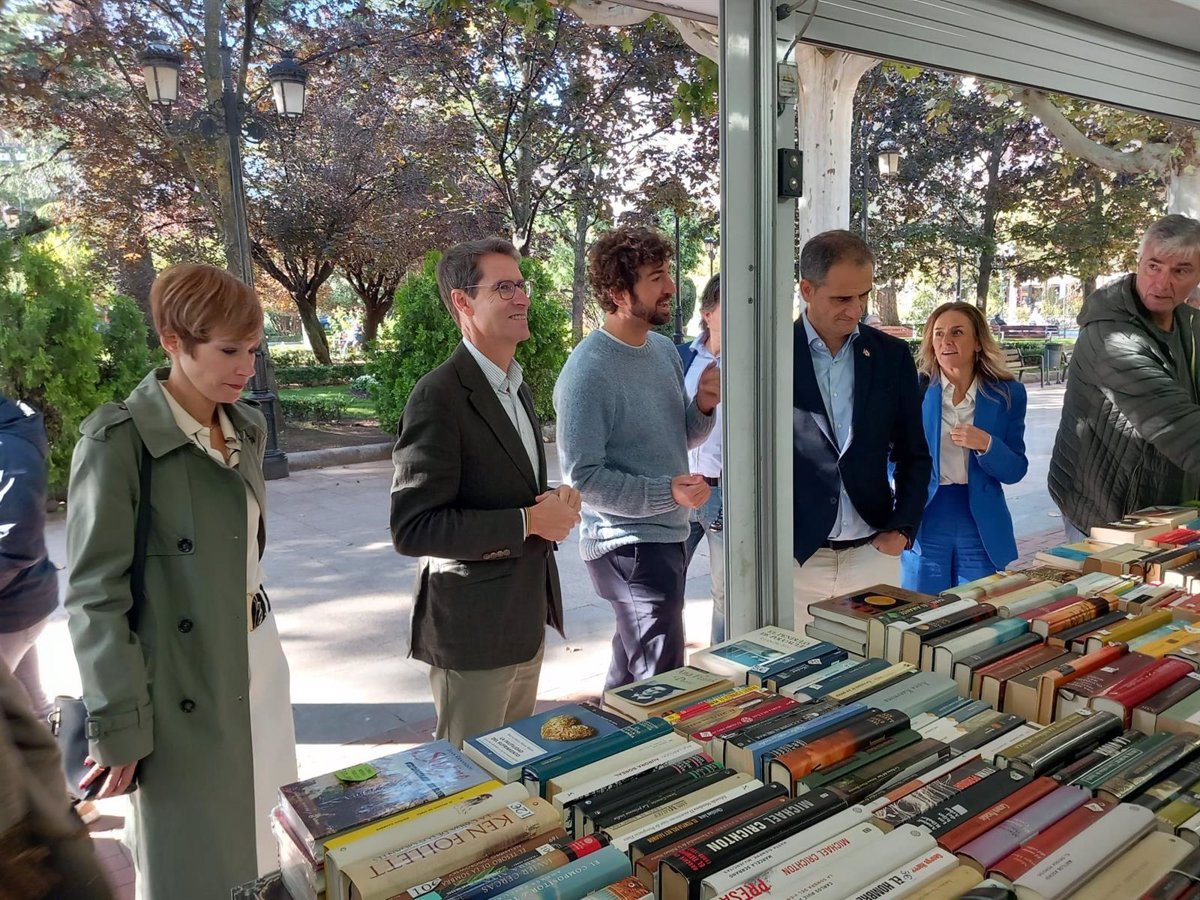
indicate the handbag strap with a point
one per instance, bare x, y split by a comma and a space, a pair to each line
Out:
141, 534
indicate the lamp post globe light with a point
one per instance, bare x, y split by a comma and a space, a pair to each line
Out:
231, 121
711, 244
887, 153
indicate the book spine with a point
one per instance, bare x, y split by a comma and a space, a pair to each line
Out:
1077, 860
1089, 761
494, 863
778, 680
750, 716
529, 869
628, 888
795, 764
956, 838
1169, 756
386, 875
883, 749
925, 798
1164, 792
694, 863
992, 846
686, 784
1121, 761
921, 871
703, 706
798, 715
643, 783
757, 676
576, 879
935, 771
1049, 840
839, 876
984, 734
699, 821
857, 785
970, 802
801, 735
536, 775
1062, 741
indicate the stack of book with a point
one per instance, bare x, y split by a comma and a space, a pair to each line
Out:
842, 621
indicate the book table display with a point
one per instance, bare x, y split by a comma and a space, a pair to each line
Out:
1032, 735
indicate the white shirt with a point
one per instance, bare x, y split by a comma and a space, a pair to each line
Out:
506, 385
705, 459
955, 460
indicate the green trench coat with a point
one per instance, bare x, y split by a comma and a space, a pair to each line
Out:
168, 683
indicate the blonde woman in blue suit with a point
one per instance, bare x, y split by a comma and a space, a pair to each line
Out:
973, 414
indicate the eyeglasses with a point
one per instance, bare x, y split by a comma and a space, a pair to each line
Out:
506, 289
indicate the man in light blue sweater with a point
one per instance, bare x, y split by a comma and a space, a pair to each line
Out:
624, 430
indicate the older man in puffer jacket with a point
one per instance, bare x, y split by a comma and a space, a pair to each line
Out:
1130, 431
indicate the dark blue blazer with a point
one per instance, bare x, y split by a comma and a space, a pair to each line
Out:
886, 426
1000, 411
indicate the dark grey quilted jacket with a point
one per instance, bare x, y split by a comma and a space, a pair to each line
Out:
1129, 429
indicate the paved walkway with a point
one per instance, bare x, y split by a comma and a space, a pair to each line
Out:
341, 594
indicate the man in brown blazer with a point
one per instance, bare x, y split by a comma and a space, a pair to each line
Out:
470, 498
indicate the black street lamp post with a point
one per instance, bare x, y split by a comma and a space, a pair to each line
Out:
160, 66
711, 244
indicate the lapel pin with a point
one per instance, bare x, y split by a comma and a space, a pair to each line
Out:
866, 352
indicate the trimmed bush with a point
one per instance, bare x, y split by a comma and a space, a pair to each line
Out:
310, 376
313, 409
420, 335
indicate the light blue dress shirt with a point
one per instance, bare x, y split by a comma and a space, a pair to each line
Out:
835, 379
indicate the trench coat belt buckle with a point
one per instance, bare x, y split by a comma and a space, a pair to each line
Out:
258, 607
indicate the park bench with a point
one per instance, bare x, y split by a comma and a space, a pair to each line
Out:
900, 331
1021, 361
1027, 332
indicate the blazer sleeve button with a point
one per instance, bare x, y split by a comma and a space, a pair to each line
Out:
187, 705
185, 625
185, 545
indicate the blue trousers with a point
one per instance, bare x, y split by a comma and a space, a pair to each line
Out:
952, 551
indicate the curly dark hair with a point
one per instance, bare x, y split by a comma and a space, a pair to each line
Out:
614, 260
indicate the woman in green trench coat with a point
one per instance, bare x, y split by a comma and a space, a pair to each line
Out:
190, 688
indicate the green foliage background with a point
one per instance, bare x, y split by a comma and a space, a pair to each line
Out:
420, 335
54, 353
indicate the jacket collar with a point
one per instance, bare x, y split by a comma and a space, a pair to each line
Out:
483, 398
156, 423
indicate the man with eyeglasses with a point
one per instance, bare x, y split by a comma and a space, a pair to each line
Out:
625, 426
470, 498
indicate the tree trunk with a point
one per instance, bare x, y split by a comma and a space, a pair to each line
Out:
828, 80
1089, 285
885, 304
306, 303
375, 310
1183, 186
579, 245
991, 200
227, 225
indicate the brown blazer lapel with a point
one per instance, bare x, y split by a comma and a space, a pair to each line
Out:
485, 402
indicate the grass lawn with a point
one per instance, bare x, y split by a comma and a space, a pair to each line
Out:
359, 408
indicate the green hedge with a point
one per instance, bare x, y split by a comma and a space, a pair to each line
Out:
338, 373
313, 409
288, 357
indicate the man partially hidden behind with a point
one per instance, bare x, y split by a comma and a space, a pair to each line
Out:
857, 407
625, 426
1130, 431
470, 498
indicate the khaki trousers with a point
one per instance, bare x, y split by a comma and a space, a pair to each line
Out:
830, 573
472, 701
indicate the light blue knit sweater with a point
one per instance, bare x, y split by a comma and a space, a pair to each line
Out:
624, 429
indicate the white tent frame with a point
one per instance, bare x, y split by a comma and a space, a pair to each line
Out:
1007, 40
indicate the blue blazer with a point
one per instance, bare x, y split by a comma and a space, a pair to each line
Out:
1000, 411
886, 429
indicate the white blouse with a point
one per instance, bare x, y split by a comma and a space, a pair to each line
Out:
955, 460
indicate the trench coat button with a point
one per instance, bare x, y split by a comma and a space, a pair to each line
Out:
185, 625
185, 545
187, 705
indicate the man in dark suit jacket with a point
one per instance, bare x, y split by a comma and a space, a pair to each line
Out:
470, 498
856, 406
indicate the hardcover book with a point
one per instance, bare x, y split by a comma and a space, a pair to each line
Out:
858, 608
1024, 825
1182, 717
1129, 530
1142, 864
1121, 698
917, 802
1039, 848
1068, 773
968, 669
1075, 639
912, 640
1162, 793
591, 873
993, 679
1061, 742
888, 631
849, 639
947, 815
1053, 679
1070, 556
382, 877
826, 775
1120, 762
1021, 691
1166, 515
1172, 754
823, 752
628, 888
680, 875
317, 809
935, 770
997, 813
722, 792
503, 751
1071, 865
570, 787
833, 680
537, 774
810, 669
757, 675
662, 693
1070, 615
1129, 629
734, 658
1079, 693
913, 696
866, 780
983, 637
911, 879
988, 586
